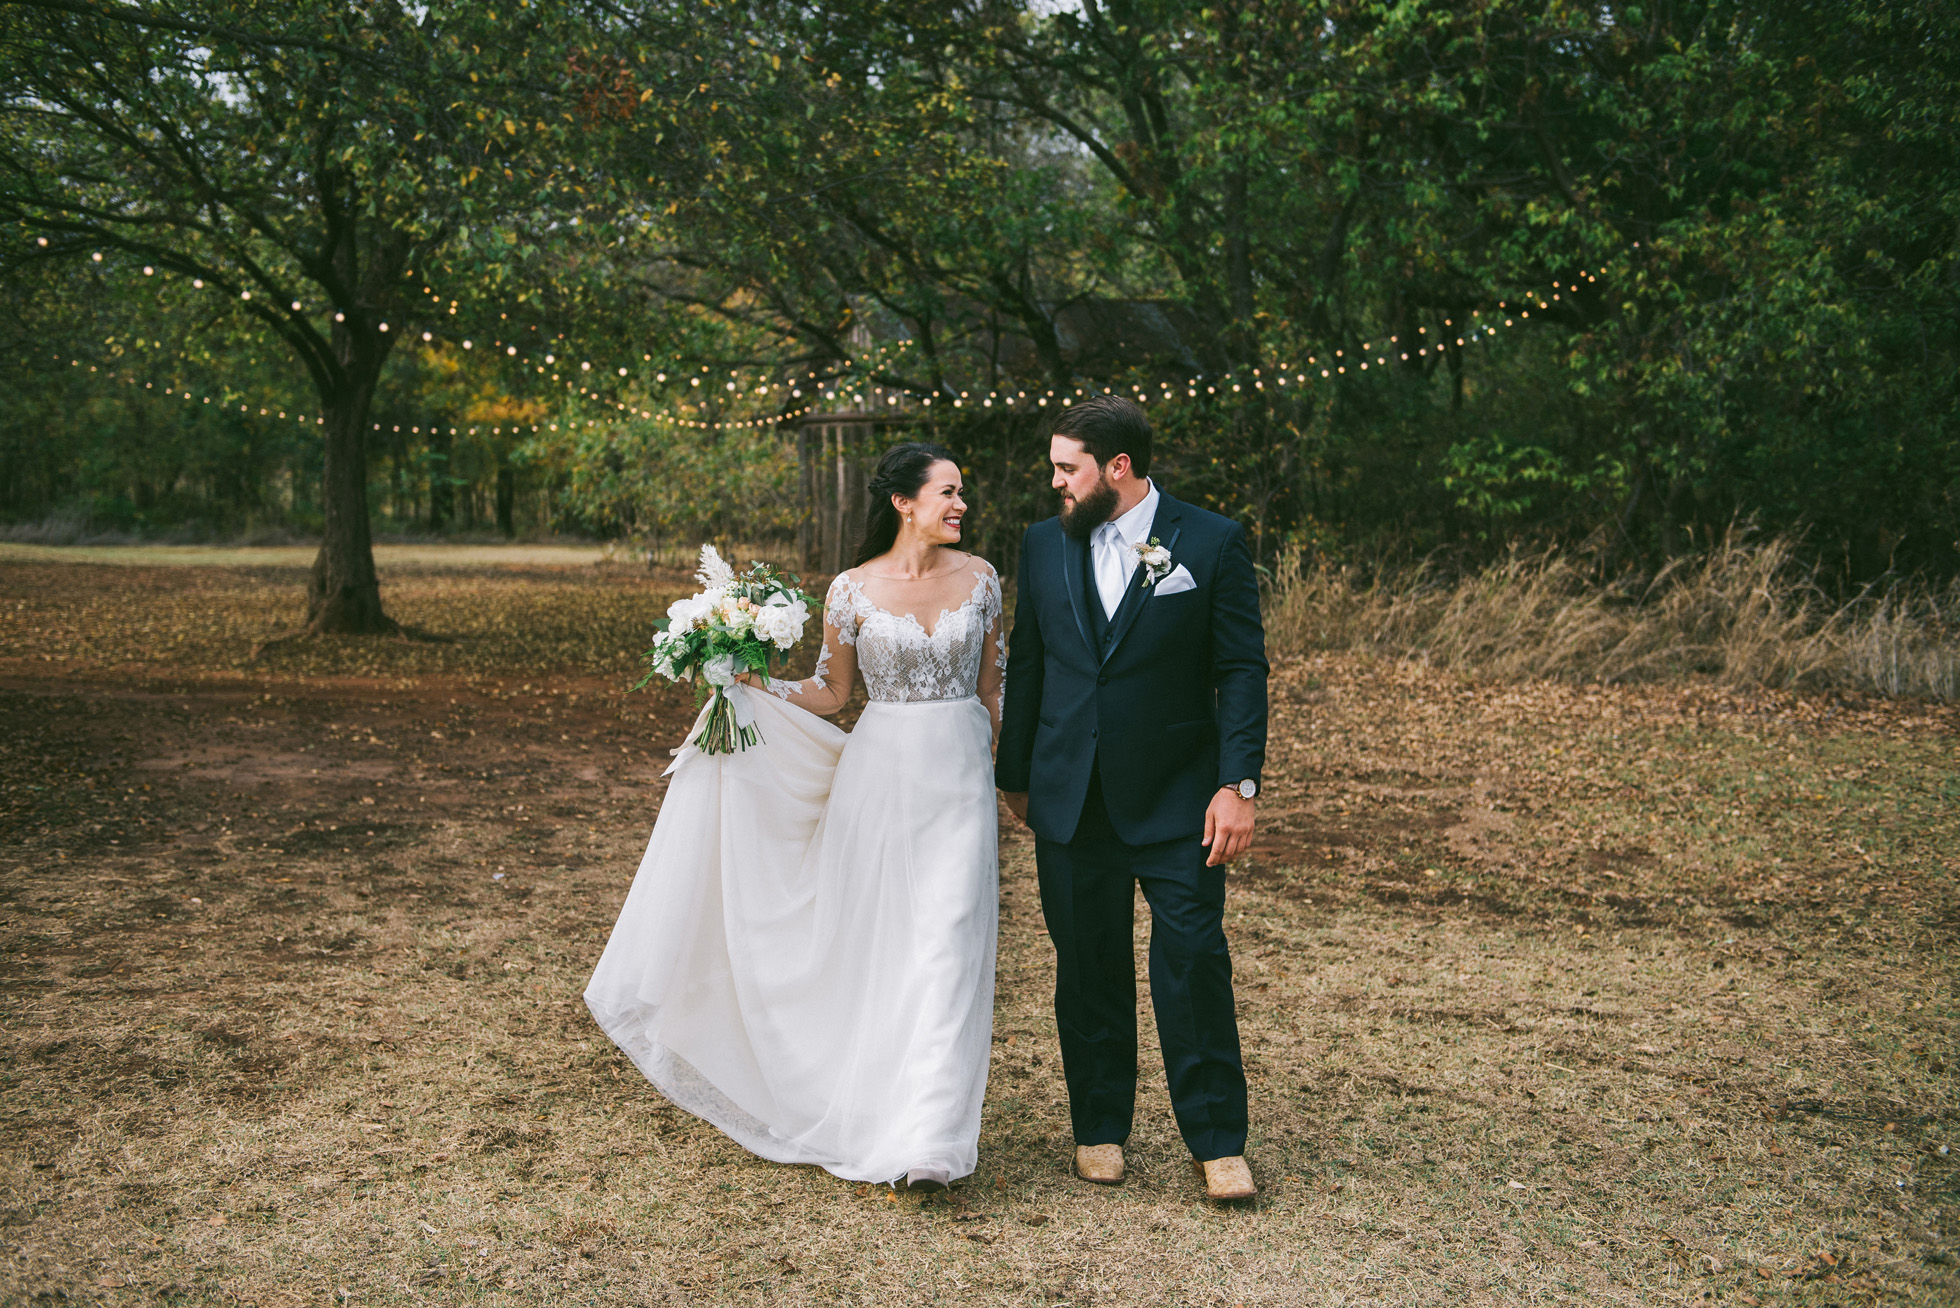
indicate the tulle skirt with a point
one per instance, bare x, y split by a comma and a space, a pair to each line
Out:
806, 957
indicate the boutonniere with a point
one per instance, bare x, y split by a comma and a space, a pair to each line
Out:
1155, 557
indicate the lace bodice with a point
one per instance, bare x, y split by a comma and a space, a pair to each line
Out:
895, 655
901, 661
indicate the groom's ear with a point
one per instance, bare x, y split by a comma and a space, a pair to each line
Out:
1118, 467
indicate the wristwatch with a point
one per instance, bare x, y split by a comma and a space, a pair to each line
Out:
1247, 788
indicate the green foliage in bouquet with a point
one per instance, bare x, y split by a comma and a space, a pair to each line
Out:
737, 622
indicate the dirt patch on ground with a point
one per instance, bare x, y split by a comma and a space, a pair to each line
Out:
1547, 994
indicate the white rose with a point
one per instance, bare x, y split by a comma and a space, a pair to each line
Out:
765, 622
778, 623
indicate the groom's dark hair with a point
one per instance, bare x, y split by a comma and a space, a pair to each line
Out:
1106, 426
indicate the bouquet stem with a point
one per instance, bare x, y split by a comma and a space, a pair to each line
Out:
721, 733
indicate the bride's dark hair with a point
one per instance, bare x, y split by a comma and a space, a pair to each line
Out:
901, 472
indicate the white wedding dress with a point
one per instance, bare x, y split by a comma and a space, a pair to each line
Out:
806, 957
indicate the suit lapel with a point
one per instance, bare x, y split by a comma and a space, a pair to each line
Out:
1075, 568
1164, 527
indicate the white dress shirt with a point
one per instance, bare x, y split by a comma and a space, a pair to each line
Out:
1113, 553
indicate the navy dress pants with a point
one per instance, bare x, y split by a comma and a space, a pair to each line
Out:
1088, 896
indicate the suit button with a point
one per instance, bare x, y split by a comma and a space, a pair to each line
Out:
1103, 680
1092, 733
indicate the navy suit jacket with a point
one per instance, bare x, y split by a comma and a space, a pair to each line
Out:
1172, 707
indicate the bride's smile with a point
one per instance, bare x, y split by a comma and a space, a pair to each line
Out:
932, 517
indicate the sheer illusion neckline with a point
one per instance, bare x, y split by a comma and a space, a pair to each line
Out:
864, 598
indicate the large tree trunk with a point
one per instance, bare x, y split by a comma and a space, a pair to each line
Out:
343, 596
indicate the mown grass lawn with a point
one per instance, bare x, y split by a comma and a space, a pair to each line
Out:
1549, 994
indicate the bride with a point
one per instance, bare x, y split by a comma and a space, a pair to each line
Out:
806, 958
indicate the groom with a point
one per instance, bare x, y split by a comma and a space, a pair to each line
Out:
1131, 742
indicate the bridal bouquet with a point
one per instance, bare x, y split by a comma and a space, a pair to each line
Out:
734, 624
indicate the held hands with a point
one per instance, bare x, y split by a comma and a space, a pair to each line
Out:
1017, 803
1228, 827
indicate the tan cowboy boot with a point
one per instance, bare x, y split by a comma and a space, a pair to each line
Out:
1226, 1178
1102, 1164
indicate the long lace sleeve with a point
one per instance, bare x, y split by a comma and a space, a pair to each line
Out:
992, 684
829, 688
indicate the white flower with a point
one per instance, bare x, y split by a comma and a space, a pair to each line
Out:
1156, 559
730, 614
668, 646
684, 614
781, 624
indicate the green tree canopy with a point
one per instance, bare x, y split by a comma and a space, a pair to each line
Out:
304, 160
1524, 268
1725, 246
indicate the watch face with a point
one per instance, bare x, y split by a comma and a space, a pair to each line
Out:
1248, 788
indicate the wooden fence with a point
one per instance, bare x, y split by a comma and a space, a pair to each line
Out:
835, 453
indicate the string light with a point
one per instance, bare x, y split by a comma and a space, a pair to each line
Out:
895, 396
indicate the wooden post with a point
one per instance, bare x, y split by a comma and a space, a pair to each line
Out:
827, 498
853, 501
806, 485
831, 473
839, 544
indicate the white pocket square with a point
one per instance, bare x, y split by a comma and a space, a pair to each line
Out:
1177, 582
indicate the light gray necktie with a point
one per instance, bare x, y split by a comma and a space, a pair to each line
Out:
1111, 576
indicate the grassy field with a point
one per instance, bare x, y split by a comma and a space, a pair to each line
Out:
1550, 993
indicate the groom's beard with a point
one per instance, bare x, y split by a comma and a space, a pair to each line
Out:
1090, 512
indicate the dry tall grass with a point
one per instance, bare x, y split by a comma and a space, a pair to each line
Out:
1746, 613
